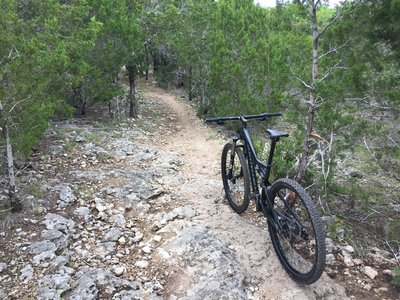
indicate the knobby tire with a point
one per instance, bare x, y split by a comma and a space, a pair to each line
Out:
301, 251
237, 188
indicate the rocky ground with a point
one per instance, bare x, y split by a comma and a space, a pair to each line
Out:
135, 210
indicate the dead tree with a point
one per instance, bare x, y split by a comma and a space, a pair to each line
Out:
4, 128
315, 79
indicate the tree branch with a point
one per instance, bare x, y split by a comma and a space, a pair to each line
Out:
299, 79
333, 50
335, 18
331, 69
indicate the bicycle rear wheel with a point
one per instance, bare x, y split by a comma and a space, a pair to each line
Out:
236, 180
298, 237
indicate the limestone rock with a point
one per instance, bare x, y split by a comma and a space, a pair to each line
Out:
26, 273
52, 286
370, 272
42, 246
3, 266
66, 196
54, 221
112, 235
89, 280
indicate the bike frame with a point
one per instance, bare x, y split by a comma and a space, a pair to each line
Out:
263, 202
254, 163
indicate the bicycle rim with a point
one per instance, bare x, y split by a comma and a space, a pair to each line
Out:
236, 182
299, 240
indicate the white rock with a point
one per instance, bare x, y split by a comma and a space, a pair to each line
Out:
157, 238
122, 240
163, 253
370, 272
119, 270
348, 249
387, 272
146, 249
358, 261
138, 237
143, 264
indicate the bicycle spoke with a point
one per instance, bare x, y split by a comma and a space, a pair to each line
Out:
235, 178
299, 246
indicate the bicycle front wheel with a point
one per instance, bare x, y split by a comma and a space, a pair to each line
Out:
297, 235
235, 178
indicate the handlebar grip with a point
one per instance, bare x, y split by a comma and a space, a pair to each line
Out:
219, 121
211, 120
275, 114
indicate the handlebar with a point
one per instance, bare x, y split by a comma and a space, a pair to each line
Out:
259, 117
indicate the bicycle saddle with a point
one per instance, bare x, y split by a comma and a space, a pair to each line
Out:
273, 134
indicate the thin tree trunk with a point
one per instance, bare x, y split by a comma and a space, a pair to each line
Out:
132, 95
146, 52
312, 97
190, 83
14, 203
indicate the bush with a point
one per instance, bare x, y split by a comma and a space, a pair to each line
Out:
396, 277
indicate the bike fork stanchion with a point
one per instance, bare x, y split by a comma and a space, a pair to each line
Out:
232, 158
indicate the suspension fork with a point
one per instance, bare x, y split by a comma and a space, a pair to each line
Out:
232, 158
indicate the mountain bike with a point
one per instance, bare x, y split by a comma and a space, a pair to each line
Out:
294, 224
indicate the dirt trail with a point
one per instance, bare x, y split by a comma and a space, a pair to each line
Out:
246, 235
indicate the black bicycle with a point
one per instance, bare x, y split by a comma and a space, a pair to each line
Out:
294, 224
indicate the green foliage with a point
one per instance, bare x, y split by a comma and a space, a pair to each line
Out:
56, 53
396, 277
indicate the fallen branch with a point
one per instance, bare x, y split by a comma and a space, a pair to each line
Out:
369, 150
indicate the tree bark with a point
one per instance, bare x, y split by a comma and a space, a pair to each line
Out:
190, 83
312, 96
132, 96
14, 203
146, 52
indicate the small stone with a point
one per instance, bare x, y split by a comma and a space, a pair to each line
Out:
330, 246
138, 237
367, 287
119, 219
330, 259
146, 249
383, 289
387, 272
3, 266
162, 253
112, 235
122, 240
84, 212
54, 221
42, 246
43, 257
358, 261
157, 238
26, 273
66, 196
143, 264
348, 249
54, 150
119, 270
370, 272
104, 249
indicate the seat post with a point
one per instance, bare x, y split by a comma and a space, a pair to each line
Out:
270, 157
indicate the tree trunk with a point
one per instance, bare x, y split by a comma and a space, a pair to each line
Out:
312, 97
14, 203
190, 83
146, 52
132, 96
